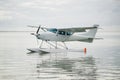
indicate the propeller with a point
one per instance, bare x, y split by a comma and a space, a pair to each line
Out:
37, 32
38, 29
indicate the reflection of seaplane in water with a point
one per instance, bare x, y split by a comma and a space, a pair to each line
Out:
48, 35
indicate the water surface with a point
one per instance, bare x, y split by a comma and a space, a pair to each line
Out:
101, 62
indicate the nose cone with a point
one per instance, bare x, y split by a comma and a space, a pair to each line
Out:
38, 36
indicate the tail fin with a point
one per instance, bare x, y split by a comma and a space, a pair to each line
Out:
91, 33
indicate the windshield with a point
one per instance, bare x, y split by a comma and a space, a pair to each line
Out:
54, 30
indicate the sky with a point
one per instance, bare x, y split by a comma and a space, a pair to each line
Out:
17, 14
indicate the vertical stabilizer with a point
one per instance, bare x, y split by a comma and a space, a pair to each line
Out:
91, 33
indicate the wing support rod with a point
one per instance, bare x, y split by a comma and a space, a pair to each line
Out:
50, 44
41, 44
56, 46
65, 45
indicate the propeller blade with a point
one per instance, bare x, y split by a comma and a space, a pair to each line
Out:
38, 29
32, 33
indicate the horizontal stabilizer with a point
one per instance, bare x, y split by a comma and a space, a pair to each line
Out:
98, 38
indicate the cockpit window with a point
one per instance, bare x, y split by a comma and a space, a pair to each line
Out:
65, 33
54, 30
61, 32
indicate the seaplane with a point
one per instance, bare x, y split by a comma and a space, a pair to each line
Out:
54, 35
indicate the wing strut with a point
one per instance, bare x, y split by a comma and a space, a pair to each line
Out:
54, 45
65, 45
41, 44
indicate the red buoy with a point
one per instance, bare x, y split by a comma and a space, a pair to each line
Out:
85, 50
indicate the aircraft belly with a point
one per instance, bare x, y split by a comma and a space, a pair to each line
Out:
55, 38
77, 38
60, 38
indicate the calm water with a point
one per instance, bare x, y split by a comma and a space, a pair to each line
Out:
101, 62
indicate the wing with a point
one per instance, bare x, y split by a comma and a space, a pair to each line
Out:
79, 29
73, 30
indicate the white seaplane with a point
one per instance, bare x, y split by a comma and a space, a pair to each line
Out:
54, 35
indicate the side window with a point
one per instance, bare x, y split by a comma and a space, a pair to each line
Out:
61, 32
53, 30
65, 33
69, 33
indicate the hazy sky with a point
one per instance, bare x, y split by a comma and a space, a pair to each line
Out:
17, 14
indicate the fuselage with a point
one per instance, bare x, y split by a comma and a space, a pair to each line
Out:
54, 34
50, 36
